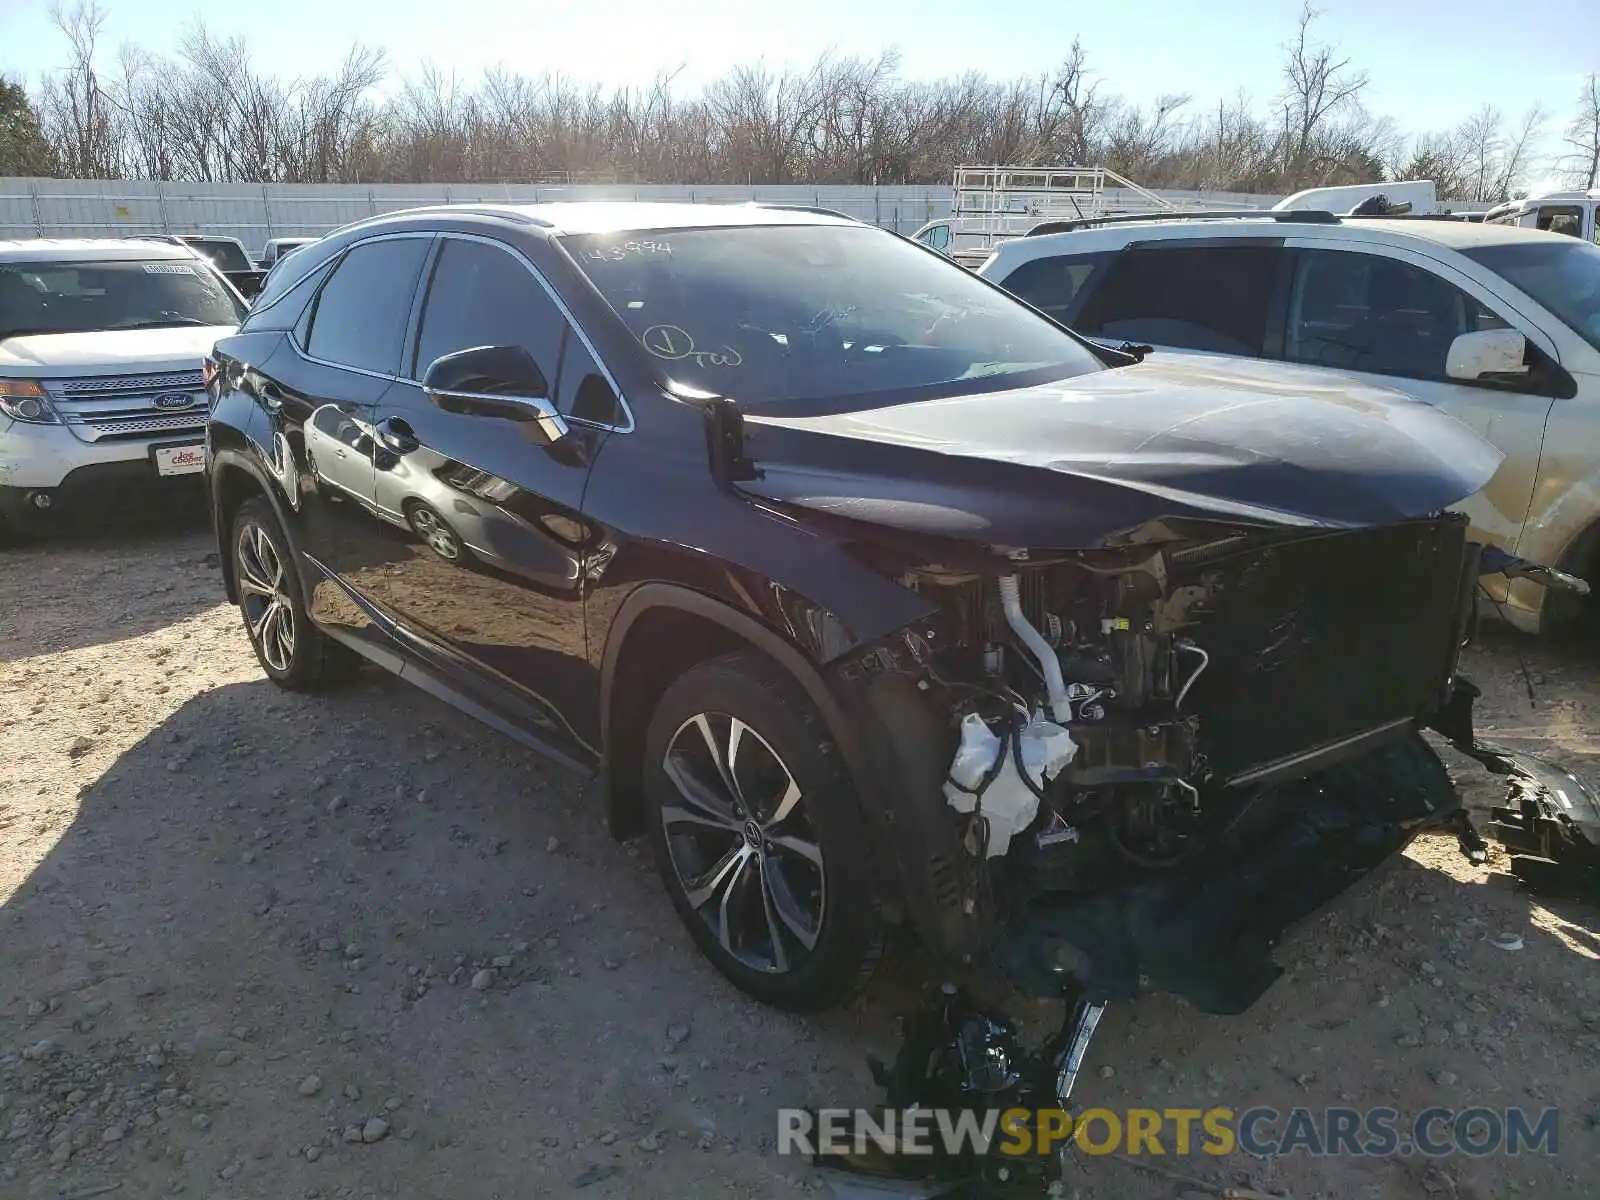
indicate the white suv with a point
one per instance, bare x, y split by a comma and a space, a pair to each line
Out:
1498, 326
102, 398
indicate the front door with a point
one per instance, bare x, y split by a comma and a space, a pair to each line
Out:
1389, 317
492, 574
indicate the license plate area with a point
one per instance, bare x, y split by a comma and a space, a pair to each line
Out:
179, 458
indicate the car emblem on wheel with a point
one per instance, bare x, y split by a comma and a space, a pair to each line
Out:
173, 400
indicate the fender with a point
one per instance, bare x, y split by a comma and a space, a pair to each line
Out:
1564, 535
669, 595
844, 722
230, 459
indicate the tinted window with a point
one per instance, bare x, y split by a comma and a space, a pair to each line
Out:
1212, 298
483, 296
279, 306
1562, 276
1563, 218
360, 316
228, 255
74, 297
1056, 285
583, 391
1367, 313
816, 313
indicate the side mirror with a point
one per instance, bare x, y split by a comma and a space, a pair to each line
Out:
1487, 353
495, 381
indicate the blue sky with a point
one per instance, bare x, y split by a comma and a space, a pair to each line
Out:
1431, 61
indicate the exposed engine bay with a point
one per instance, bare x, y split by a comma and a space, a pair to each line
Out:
1130, 715
1169, 752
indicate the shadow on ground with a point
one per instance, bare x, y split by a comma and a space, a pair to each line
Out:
278, 926
241, 931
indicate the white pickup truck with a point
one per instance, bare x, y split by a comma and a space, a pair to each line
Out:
1572, 213
102, 400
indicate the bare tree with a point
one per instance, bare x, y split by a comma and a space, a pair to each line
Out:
77, 114
1514, 159
209, 113
1583, 134
1318, 87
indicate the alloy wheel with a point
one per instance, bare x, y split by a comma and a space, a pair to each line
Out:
438, 536
742, 845
264, 596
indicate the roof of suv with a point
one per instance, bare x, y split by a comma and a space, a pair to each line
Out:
1458, 235
88, 250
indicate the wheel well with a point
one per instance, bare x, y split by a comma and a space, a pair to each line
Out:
233, 487
1581, 558
658, 647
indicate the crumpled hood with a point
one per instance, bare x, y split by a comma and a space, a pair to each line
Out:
1070, 464
108, 352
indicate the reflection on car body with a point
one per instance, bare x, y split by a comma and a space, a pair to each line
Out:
459, 512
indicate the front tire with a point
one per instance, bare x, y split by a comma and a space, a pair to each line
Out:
295, 654
435, 532
757, 835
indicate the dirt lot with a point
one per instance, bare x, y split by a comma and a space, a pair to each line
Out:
259, 945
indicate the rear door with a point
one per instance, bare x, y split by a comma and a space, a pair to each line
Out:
492, 577
1210, 295
319, 388
1387, 315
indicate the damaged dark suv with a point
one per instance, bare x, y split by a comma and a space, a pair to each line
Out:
876, 598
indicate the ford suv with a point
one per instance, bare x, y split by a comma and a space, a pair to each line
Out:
102, 400
1495, 325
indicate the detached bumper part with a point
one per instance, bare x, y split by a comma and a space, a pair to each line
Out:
1550, 820
957, 1058
1495, 561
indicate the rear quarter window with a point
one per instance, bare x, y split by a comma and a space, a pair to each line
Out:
1058, 284
280, 305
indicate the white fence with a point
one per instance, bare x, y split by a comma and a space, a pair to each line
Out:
255, 212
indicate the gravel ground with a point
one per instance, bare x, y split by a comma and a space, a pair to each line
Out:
261, 945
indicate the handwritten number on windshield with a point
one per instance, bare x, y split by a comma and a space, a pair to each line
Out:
626, 250
674, 344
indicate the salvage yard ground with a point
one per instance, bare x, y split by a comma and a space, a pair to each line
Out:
263, 945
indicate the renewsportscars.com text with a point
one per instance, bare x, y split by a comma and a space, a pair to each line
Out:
1475, 1131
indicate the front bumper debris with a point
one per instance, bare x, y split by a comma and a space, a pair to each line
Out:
1550, 820
1207, 936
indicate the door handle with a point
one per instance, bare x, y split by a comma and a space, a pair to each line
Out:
397, 435
271, 398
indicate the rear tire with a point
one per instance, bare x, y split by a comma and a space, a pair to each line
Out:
754, 822
295, 654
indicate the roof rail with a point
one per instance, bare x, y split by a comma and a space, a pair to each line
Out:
1293, 217
476, 208
1439, 216
806, 208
